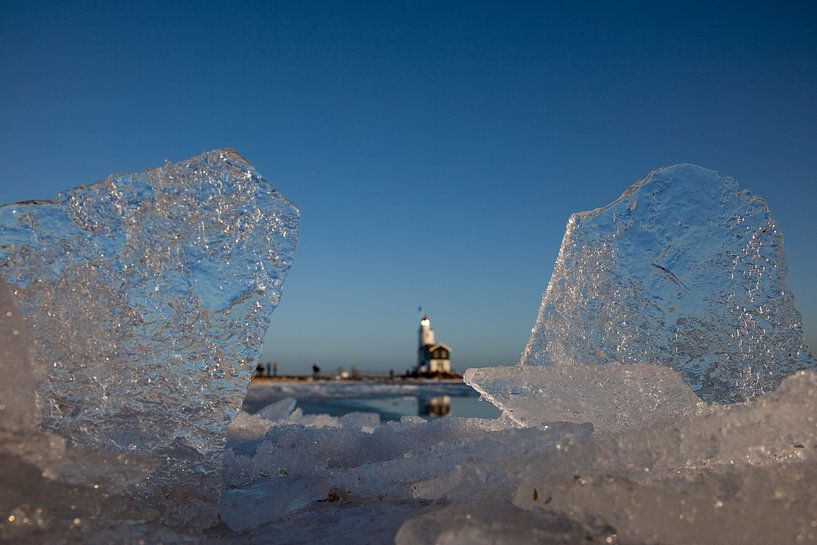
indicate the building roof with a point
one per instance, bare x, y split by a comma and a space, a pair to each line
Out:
434, 346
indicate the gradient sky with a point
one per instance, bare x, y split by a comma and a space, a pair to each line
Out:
435, 149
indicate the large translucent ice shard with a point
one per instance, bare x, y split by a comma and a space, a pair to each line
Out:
684, 270
148, 296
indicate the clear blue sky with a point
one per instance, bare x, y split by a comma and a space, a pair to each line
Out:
435, 149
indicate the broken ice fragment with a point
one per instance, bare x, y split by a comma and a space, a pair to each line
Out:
148, 296
278, 410
246, 508
360, 421
611, 397
684, 270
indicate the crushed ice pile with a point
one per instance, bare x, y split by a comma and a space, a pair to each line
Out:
675, 293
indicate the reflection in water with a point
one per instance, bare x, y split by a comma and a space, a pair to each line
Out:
434, 406
462, 403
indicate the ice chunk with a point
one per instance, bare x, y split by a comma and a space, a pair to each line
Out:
395, 461
612, 397
278, 410
684, 270
457, 476
362, 421
246, 508
737, 473
148, 297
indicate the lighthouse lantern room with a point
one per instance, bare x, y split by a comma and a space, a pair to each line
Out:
433, 358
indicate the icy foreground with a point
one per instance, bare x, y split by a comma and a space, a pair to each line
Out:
619, 453
684, 270
742, 473
147, 297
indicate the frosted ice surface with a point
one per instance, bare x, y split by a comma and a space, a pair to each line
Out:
148, 296
612, 397
684, 270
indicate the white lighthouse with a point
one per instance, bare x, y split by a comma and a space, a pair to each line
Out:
432, 357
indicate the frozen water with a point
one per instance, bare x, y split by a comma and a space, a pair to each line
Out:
705, 477
148, 296
684, 270
321, 390
357, 460
390, 399
738, 474
741, 473
278, 410
252, 506
585, 453
613, 397
362, 421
